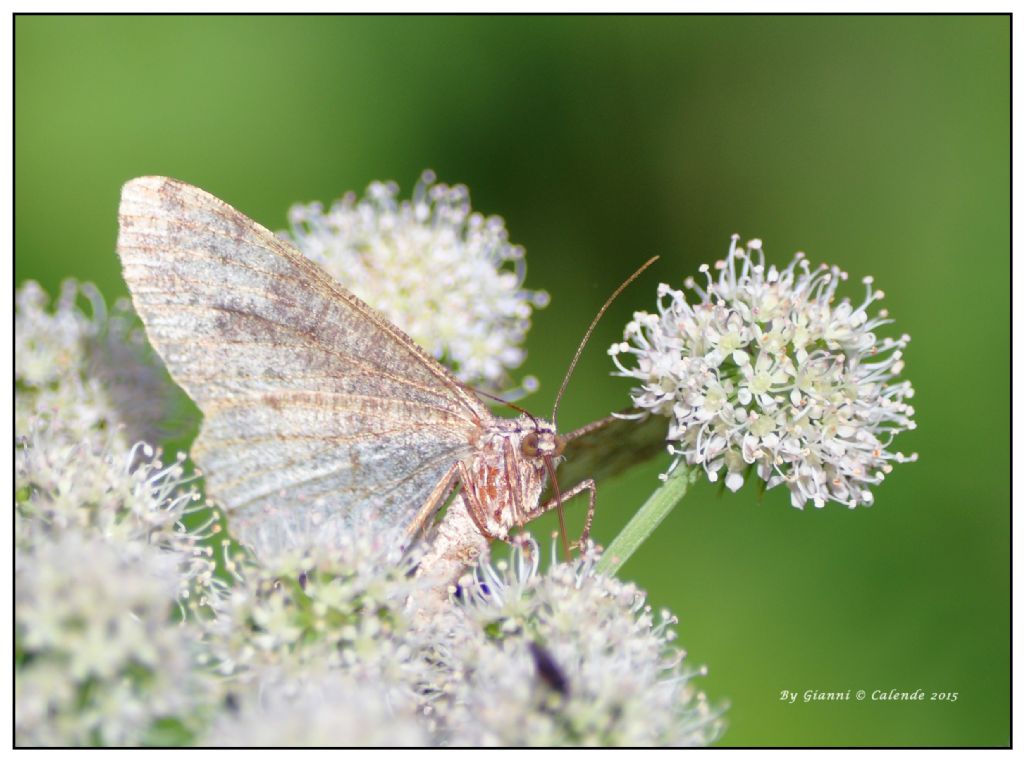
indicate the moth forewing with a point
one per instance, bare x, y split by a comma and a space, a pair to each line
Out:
318, 412
316, 409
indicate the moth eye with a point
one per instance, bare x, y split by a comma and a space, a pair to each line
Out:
529, 445
559, 446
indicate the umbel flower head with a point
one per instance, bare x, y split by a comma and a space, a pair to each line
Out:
104, 569
445, 274
310, 649
760, 370
568, 656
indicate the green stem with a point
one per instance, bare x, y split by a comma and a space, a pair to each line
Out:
647, 518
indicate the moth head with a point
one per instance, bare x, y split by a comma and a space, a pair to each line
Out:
542, 443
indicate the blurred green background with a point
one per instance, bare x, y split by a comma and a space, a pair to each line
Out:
880, 144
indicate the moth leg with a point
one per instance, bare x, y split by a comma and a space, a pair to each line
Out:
591, 427
590, 486
431, 505
551, 504
474, 506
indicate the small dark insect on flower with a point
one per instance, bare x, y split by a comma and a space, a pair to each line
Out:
461, 592
549, 671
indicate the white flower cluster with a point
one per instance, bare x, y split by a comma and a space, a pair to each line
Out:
311, 649
92, 371
565, 657
764, 372
517, 658
103, 567
445, 274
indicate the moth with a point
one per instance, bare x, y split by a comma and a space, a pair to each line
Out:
315, 406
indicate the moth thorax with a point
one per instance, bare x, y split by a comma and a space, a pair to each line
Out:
542, 443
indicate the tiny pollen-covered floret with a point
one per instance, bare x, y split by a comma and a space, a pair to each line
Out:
443, 273
763, 371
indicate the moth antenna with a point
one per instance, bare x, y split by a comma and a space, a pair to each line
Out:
508, 404
586, 336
